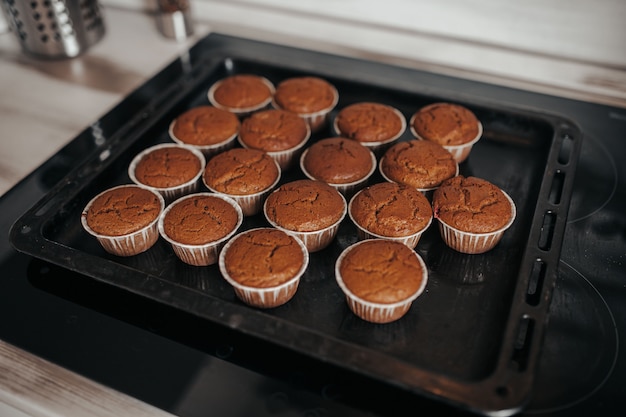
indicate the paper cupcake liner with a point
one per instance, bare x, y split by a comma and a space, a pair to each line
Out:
286, 157
267, 299
347, 189
316, 120
378, 147
170, 193
410, 240
126, 245
241, 112
264, 297
474, 243
205, 254
316, 240
207, 150
459, 152
378, 312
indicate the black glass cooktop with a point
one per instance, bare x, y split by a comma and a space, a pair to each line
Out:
190, 366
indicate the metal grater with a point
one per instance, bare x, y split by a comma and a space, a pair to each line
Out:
55, 28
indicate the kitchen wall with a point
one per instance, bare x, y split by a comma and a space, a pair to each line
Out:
585, 30
570, 45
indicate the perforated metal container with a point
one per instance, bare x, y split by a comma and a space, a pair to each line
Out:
55, 28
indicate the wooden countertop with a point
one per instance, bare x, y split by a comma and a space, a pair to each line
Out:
46, 103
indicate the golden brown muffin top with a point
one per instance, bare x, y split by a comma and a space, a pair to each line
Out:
381, 271
199, 219
241, 171
305, 206
418, 163
167, 167
391, 210
338, 160
263, 258
305, 95
242, 91
205, 125
123, 210
471, 204
273, 130
445, 124
369, 122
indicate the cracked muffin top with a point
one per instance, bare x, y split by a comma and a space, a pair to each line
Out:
123, 210
418, 163
391, 210
273, 130
305, 95
242, 91
167, 166
204, 126
370, 122
263, 258
381, 271
472, 205
338, 161
445, 123
305, 206
199, 219
241, 171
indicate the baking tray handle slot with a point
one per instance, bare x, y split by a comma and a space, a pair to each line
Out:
547, 231
556, 190
523, 343
535, 282
565, 152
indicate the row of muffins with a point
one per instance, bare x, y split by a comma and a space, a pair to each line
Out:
263, 265
375, 125
263, 278
249, 176
298, 188
301, 105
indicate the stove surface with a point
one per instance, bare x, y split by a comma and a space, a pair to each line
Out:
185, 365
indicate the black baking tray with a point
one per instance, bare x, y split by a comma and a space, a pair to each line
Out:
471, 340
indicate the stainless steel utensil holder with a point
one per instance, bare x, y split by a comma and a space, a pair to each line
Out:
55, 28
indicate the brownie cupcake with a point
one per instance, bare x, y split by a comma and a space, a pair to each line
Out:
311, 210
374, 125
312, 98
472, 213
281, 134
170, 169
264, 266
452, 126
198, 225
208, 129
380, 279
245, 175
124, 219
390, 211
241, 94
342, 163
420, 164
